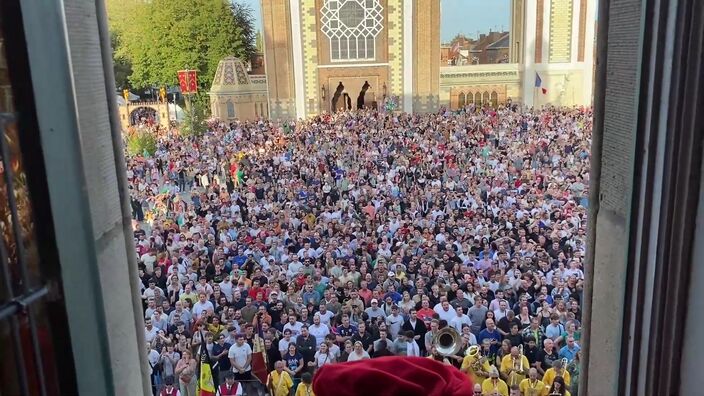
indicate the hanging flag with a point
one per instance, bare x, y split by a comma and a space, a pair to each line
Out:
192, 81
188, 81
259, 356
183, 81
206, 386
539, 84
455, 47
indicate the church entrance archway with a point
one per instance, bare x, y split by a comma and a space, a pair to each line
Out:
144, 115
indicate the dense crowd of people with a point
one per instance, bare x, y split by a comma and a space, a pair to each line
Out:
363, 234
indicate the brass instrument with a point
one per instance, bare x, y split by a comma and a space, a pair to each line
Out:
475, 352
448, 341
517, 368
520, 356
564, 367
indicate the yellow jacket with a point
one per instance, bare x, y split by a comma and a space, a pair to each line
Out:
468, 367
488, 387
529, 389
507, 365
304, 390
281, 383
550, 375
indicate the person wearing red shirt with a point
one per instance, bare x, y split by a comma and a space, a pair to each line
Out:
364, 292
425, 311
255, 290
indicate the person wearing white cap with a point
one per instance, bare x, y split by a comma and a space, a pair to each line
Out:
374, 311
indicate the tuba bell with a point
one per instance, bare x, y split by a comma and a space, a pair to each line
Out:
447, 341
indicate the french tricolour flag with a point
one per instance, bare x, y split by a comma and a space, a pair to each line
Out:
539, 83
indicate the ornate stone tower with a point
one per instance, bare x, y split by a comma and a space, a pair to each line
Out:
324, 55
234, 94
329, 54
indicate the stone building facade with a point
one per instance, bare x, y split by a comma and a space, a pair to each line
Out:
321, 54
236, 94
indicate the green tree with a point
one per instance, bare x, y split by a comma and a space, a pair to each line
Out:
141, 142
195, 115
121, 66
244, 19
259, 42
162, 37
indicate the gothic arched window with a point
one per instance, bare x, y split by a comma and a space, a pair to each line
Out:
230, 109
461, 100
352, 27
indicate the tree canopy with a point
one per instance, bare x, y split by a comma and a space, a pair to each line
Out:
161, 37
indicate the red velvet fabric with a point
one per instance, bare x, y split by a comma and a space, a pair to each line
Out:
391, 376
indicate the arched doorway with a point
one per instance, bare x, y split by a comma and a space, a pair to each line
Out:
461, 100
494, 99
144, 115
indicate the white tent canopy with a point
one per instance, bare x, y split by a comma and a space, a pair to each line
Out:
176, 112
121, 99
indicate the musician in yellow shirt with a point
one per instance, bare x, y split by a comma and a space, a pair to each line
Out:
475, 365
556, 371
280, 382
558, 388
494, 386
532, 386
514, 367
305, 388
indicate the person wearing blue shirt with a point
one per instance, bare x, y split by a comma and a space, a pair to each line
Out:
395, 296
490, 333
345, 331
311, 295
240, 259
570, 350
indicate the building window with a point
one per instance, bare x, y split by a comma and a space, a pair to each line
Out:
460, 100
352, 27
494, 98
230, 110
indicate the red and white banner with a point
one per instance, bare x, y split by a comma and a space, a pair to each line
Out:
188, 81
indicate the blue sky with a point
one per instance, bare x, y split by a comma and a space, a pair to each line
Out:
470, 16
256, 6
457, 16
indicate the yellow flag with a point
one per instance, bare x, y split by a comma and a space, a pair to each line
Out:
206, 386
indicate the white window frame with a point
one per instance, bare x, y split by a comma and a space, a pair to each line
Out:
346, 40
